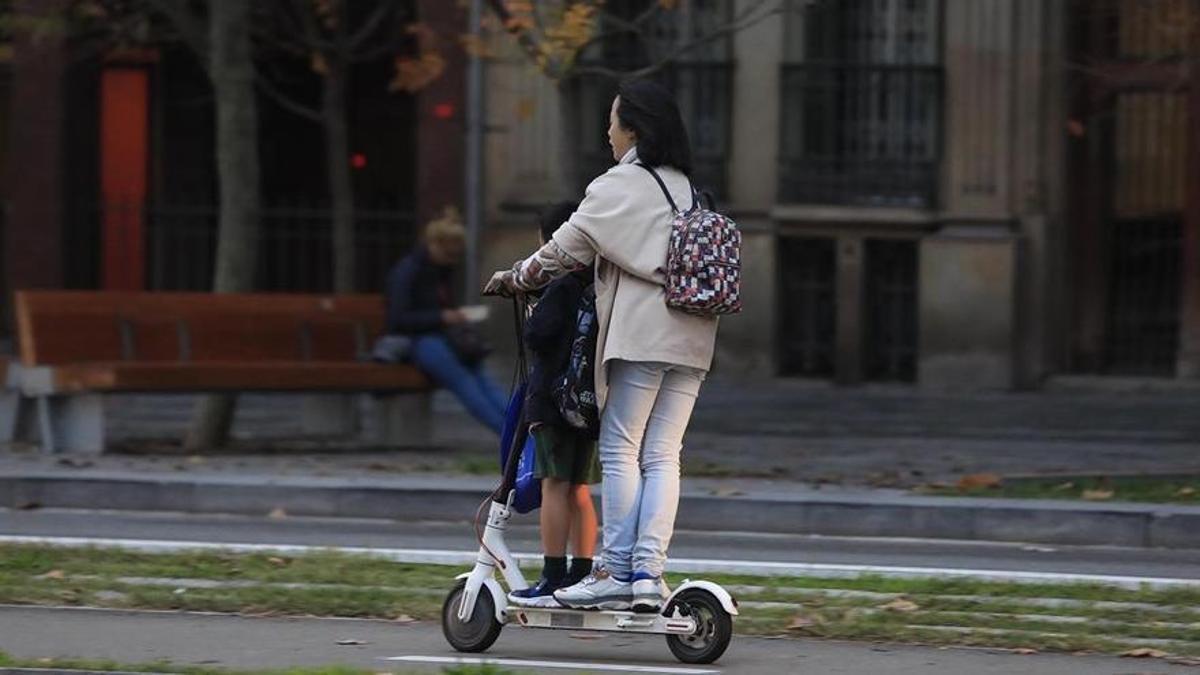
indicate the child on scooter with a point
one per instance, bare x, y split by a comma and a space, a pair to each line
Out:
566, 457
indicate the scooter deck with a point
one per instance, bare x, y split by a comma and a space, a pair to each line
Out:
600, 620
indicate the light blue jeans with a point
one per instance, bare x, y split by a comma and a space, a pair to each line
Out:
641, 435
479, 394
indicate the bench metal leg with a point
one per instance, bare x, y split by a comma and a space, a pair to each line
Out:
405, 419
72, 423
10, 415
329, 415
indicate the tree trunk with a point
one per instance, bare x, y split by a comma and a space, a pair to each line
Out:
341, 187
232, 74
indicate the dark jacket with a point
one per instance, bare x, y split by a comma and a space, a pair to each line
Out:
417, 292
549, 332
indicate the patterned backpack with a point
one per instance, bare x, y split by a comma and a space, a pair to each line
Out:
704, 259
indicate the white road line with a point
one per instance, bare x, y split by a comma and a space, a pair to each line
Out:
680, 565
523, 663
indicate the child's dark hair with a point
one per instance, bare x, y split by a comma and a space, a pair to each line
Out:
555, 215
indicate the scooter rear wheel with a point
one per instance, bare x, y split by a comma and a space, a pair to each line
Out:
714, 628
477, 634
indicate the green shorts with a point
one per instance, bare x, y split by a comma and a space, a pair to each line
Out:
566, 455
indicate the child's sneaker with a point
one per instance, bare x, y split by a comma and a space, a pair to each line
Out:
540, 594
598, 590
649, 592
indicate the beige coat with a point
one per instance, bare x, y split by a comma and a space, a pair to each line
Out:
623, 225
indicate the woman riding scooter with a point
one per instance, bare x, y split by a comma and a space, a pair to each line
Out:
651, 359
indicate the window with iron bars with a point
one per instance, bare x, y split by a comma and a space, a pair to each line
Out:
701, 78
861, 96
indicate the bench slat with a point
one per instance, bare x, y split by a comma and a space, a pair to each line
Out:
270, 376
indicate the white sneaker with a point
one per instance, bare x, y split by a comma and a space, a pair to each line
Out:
598, 590
649, 594
537, 601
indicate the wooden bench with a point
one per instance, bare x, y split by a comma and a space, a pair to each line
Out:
76, 346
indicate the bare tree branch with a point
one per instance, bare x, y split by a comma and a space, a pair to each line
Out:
371, 24
529, 43
287, 102
724, 31
190, 24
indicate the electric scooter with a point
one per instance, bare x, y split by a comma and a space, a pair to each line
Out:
697, 618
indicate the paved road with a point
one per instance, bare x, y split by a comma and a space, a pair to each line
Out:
1184, 564
239, 642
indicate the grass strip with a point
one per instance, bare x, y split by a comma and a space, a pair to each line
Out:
109, 666
337, 584
1170, 489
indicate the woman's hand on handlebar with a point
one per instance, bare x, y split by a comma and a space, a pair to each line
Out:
500, 284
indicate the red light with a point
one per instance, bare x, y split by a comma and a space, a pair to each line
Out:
443, 111
358, 160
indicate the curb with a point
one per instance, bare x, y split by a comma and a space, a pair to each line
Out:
774, 508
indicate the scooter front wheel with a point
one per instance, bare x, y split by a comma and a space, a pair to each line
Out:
714, 628
477, 634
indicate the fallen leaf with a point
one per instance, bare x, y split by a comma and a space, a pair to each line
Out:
900, 605
277, 513
1097, 495
53, 574
1144, 653
280, 562
801, 622
350, 642
976, 481
1025, 651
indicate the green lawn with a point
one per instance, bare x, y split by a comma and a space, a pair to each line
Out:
1067, 617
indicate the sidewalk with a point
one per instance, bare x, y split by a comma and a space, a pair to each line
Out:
816, 458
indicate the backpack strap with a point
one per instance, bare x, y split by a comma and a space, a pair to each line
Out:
666, 192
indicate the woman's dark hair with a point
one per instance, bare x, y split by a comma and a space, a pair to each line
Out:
554, 216
648, 110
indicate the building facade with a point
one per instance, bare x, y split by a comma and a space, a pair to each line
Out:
975, 194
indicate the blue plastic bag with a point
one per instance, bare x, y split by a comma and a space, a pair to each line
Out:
528, 487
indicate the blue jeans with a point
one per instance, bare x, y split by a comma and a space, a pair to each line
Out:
641, 436
482, 397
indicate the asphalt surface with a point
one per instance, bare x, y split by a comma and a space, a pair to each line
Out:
241, 642
522, 538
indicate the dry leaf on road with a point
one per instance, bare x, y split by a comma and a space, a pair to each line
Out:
1145, 653
900, 605
975, 481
